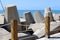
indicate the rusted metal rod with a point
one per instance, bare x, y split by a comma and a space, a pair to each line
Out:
14, 30
47, 26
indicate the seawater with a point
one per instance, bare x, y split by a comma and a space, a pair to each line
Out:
21, 12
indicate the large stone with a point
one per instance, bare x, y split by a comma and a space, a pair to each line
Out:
48, 13
38, 17
56, 17
5, 35
11, 13
1, 19
39, 28
29, 18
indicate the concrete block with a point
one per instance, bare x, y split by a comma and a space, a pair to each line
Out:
48, 13
11, 13
38, 17
29, 18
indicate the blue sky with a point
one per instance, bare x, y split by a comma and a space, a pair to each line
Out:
33, 4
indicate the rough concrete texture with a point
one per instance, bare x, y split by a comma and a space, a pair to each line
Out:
48, 13
38, 17
11, 13
29, 18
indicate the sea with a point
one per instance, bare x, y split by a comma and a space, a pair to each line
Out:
21, 12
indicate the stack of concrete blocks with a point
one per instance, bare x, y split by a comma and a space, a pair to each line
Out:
48, 11
11, 14
5, 35
38, 17
29, 18
40, 31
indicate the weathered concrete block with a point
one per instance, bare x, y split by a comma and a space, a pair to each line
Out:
1, 19
49, 13
29, 18
38, 17
11, 13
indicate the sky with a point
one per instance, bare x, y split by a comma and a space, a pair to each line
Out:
32, 4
